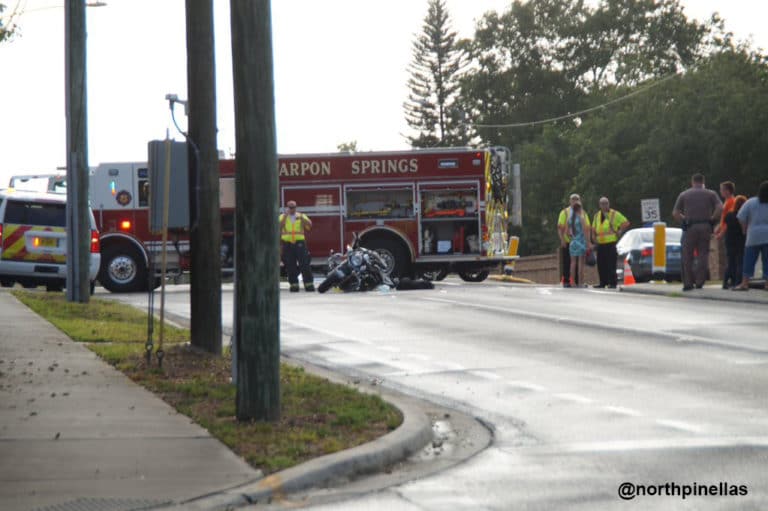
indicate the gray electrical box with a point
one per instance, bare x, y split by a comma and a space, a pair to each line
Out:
178, 190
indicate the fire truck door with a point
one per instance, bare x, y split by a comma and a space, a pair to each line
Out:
322, 204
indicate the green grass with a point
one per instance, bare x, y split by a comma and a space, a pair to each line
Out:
97, 321
317, 417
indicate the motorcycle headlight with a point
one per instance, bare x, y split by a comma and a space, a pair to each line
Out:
355, 260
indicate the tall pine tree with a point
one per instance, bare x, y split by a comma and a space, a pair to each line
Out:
432, 110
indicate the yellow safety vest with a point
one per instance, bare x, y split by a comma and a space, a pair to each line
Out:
606, 234
291, 231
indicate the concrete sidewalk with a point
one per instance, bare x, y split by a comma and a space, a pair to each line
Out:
74, 432
757, 295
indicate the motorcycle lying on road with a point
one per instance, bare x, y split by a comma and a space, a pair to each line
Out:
362, 269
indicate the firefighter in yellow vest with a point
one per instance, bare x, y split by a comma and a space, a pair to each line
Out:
293, 226
607, 227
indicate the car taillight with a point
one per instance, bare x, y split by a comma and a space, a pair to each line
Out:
646, 252
95, 245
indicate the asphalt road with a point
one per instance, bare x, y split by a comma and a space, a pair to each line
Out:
584, 389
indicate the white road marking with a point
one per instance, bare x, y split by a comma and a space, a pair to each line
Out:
575, 398
659, 443
330, 333
623, 411
486, 374
682, 426
526, 385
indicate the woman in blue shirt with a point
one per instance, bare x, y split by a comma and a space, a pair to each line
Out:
753, 217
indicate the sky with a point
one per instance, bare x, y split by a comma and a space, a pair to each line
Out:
341, 68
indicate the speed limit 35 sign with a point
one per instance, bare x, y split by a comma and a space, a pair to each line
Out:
650, 210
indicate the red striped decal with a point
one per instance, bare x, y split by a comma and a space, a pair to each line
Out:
16, 232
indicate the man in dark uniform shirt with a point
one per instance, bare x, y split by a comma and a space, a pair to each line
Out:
698, 209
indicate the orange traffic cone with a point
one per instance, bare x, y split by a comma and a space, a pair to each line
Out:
629, 279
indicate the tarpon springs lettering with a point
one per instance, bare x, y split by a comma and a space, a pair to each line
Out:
402, 166
629, 491
358, 167
305, 168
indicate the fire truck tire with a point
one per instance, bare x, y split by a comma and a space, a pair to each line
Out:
122, 270
473, 276
394, 255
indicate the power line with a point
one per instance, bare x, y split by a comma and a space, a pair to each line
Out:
581, 112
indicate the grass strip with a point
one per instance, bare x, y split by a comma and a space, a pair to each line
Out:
317, 417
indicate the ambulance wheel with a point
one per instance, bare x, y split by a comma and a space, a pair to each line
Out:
394, 256
473, 276
122, 270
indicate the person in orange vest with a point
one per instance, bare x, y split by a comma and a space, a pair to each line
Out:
293, 226
728, 193
607, 228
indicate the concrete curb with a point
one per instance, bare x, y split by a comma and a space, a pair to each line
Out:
755, 296
510, 278
413, 434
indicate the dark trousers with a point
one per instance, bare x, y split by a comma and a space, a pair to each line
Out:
733, 270
606, 264
565, 259
296, 260
696, 238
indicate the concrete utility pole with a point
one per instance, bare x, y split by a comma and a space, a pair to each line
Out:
205, 215
257, 266
78, 218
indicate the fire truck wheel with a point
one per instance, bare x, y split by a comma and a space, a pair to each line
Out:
473, 276
393, 253
122, 270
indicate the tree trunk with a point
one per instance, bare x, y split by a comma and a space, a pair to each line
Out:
257, 270
205, 215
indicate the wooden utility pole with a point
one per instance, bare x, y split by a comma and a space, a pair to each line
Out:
257, 257
78, 216
204, 212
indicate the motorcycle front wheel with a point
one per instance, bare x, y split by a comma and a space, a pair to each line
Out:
330, 281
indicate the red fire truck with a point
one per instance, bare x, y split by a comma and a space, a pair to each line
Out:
428, 212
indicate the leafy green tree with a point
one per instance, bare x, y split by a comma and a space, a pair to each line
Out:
709, 119
432, 109
347, 147
535, 64
7, 26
